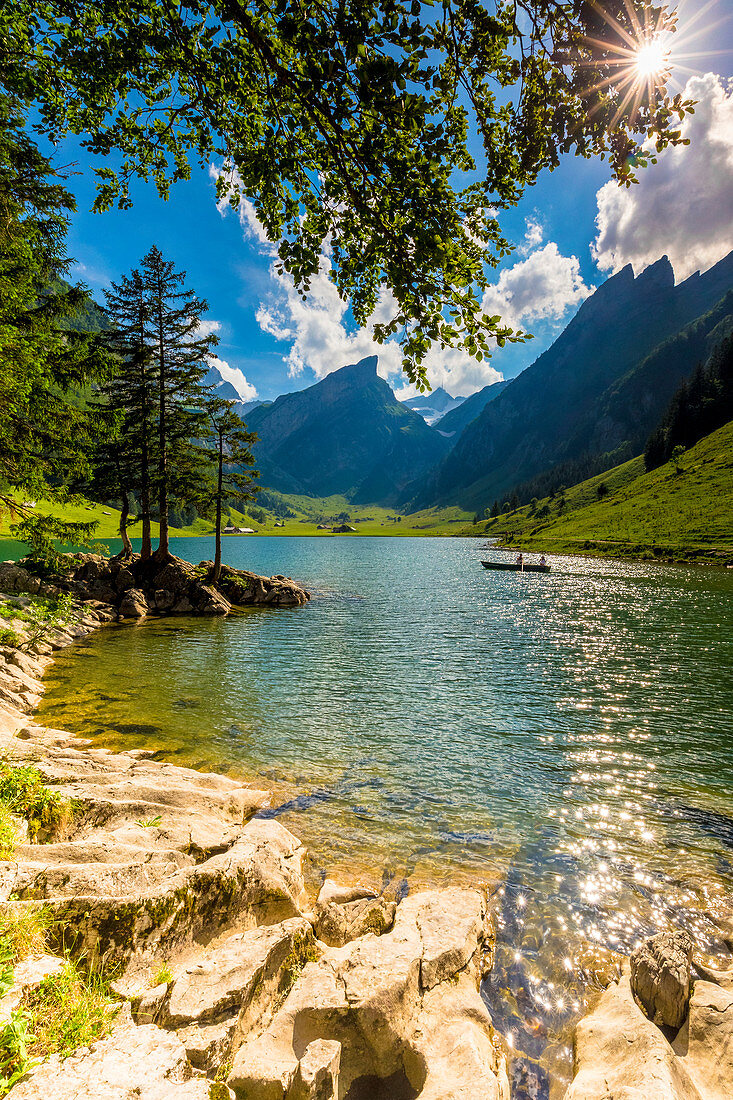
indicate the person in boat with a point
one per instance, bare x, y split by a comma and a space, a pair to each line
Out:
520, 560
542, 560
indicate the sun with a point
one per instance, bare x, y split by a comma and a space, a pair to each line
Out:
652, 59
652, 51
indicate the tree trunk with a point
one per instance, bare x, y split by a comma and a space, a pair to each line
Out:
162, 551
124, 516
147, 547
217, 553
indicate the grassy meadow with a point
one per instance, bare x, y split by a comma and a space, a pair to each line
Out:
679, 511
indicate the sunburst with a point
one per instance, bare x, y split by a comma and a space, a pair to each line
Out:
652, 52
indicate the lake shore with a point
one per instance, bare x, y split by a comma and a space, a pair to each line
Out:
190, 801
158, 868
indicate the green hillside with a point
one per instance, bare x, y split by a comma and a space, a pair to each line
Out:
626, 512
306, 513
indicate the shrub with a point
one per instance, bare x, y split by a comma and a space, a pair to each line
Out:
45, 617
9, 637
22, 792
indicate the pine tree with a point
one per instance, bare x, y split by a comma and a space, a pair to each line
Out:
130, 397
234, 461
180, 349
45, 366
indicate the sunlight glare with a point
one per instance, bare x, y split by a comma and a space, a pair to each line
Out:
651, 59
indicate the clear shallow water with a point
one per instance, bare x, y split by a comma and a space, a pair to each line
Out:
565, 740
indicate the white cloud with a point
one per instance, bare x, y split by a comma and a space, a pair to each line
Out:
322, 341
683, 205
252, 227
207, 328
533, 237
542, 287
245, 389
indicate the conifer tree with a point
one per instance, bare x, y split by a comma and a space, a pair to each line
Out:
46, 426
130, 398
180, 348
234, 473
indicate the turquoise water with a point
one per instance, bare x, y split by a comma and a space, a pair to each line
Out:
565, 740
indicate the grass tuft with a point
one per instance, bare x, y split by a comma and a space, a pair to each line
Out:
8, 833
23, 931
69, 1010
163, 975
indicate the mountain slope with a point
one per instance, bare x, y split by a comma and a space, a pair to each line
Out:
346, 434
662, 513
551, 412
632, 406
455, 420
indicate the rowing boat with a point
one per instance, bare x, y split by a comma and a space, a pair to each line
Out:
512, 567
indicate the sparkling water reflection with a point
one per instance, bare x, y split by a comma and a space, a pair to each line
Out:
565, 740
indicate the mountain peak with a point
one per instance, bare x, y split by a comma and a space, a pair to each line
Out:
659, 274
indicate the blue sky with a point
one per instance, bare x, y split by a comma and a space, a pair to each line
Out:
271, 344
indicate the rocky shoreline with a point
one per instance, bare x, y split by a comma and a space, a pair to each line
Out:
233, 983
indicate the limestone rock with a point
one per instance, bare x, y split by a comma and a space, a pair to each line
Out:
398, 1005
207, 601
124, 580
164, 599
660, 977
318, 1071
133, 1063
705, 1041
619, 1054
14, 578
333, 891
218, 982
133, 604
258, 880
338, 924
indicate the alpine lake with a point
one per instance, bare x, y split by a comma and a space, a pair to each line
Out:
564, 741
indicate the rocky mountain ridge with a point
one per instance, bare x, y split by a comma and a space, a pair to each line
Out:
557, 409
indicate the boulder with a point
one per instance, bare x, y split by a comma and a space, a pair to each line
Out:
333, 891
134, 604
124, 579
176, 576
164, 599
705, 1041
207, 601
620, 1054
14, 578
660, 977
